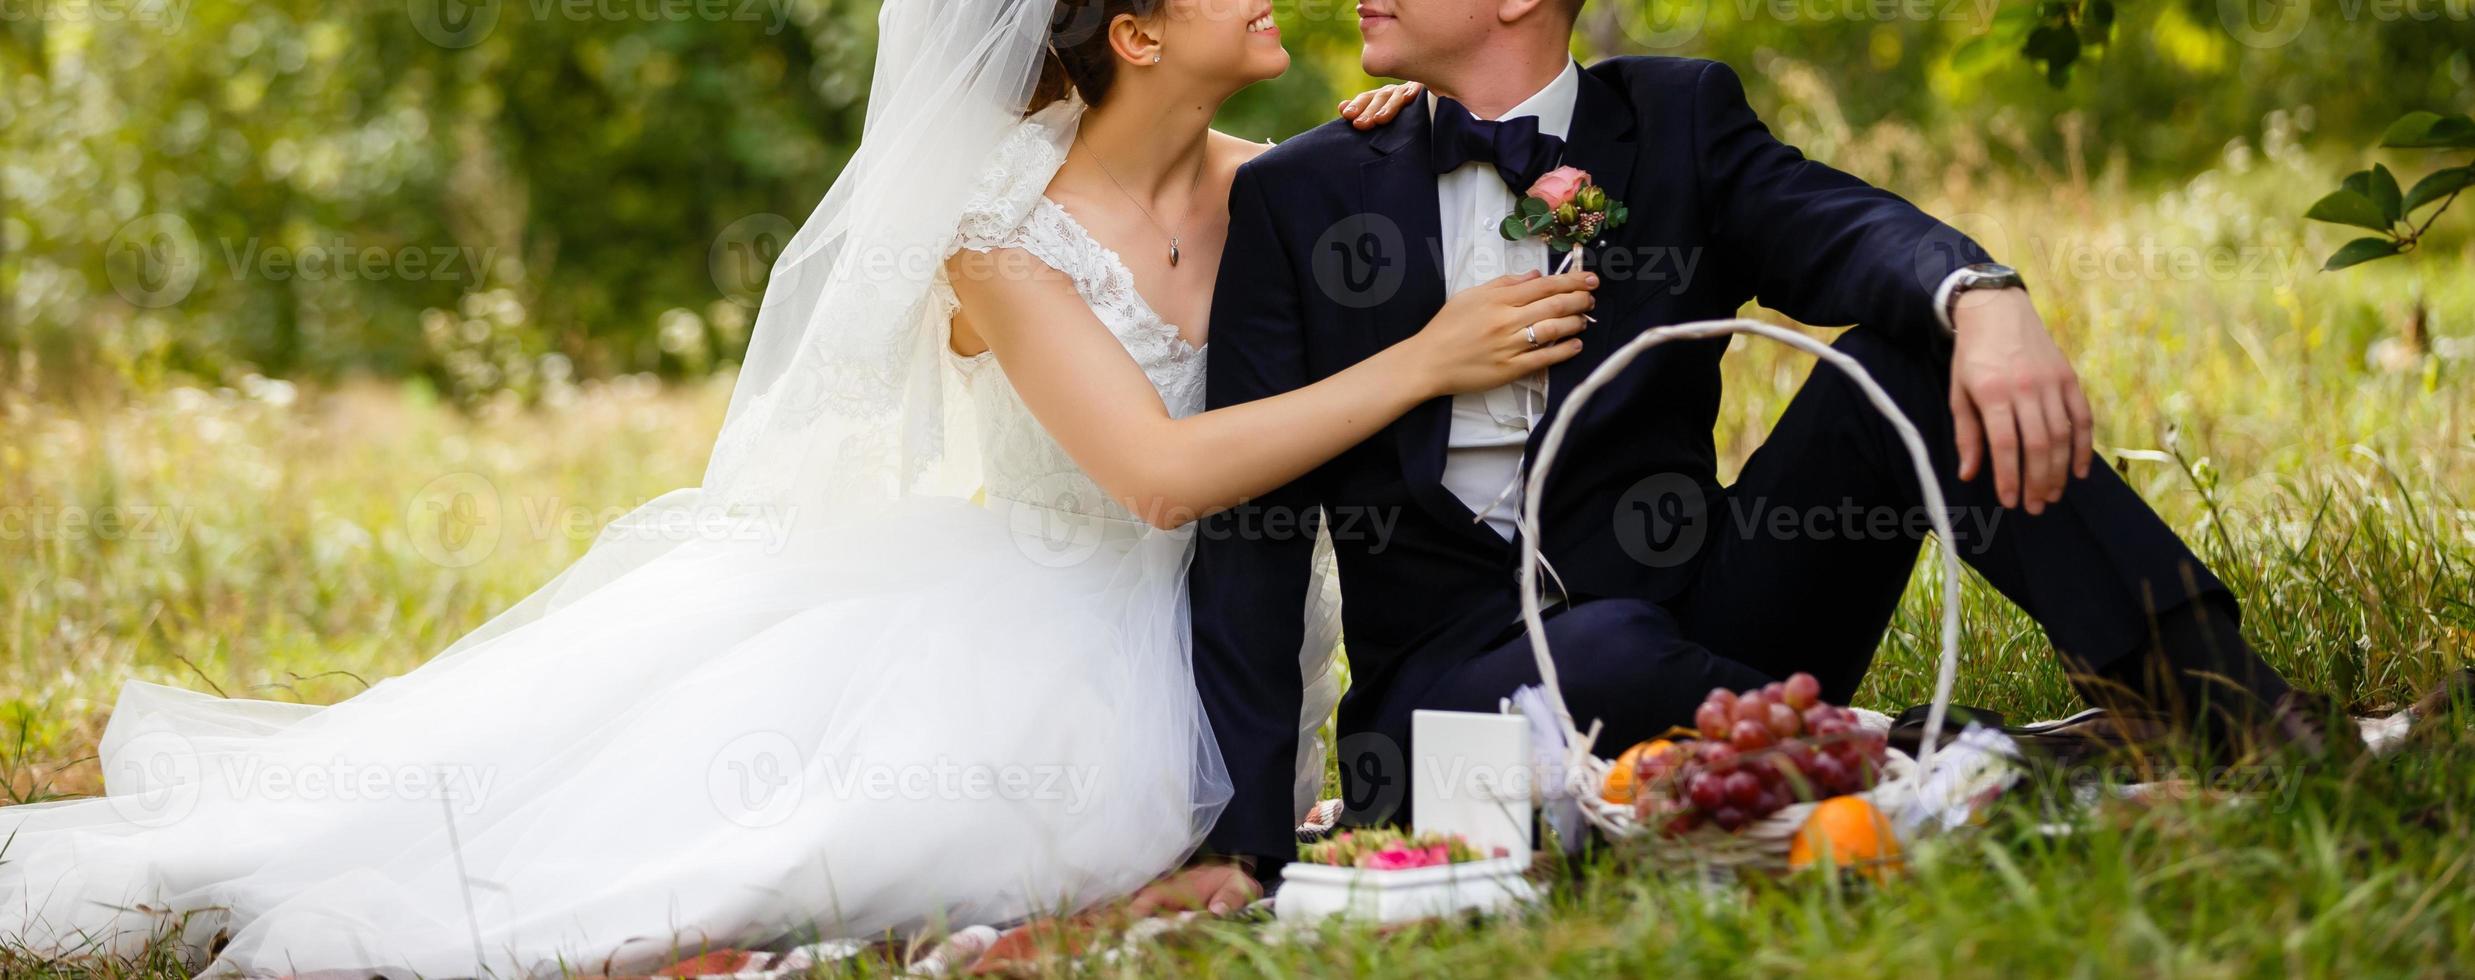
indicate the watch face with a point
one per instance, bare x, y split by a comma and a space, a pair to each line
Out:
1992, 274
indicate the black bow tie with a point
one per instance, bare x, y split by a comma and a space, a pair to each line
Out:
1515, 147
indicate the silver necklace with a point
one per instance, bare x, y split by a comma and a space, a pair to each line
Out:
1137, 202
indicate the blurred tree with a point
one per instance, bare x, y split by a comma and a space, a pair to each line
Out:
286, 186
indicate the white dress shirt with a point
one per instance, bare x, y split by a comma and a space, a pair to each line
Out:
1482, 456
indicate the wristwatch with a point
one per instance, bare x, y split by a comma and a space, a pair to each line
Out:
1983, 275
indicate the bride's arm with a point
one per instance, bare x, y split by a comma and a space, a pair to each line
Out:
1078, 380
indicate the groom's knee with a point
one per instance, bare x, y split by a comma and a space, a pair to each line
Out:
1628, 665
1616, 644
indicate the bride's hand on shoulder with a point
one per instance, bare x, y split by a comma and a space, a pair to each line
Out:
1371, 109
1488, 335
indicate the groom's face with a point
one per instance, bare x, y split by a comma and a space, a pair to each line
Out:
1410, 38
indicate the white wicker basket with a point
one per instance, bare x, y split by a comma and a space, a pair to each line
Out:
1765, 842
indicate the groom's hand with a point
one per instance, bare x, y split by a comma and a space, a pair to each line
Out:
1217, 885
2015, 401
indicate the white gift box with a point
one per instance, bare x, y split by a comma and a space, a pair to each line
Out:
1312, 892
1474, 777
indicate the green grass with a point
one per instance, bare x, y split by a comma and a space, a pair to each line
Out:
2268, 414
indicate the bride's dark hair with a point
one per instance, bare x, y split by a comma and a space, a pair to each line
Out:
1079, 59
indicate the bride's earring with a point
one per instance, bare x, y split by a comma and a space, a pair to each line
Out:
1155, 57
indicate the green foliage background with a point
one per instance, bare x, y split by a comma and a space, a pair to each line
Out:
588, 160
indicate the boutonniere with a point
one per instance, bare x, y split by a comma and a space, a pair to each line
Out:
1565, 210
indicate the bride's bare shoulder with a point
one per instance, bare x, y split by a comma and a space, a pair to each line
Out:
1233, 151
1228, 154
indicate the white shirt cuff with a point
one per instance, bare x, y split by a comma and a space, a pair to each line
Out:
1942, 300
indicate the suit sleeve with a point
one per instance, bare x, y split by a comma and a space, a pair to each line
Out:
1252, 564
1821, 246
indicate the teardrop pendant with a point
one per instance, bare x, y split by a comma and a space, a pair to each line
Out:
1172, 253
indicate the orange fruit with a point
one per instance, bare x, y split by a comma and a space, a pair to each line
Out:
1619, 788
1848, 832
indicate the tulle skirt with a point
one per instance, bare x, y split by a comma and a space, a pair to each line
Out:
924, 717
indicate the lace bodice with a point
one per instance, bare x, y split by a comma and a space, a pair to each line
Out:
1018, 459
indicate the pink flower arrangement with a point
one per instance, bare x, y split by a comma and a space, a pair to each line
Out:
1398, 856
1386, 849
1565, 210
1558, 186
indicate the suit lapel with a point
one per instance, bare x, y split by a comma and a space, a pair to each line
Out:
1601, 142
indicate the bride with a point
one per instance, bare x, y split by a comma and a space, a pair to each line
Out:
921, 660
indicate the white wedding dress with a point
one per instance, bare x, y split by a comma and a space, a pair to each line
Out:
924, 712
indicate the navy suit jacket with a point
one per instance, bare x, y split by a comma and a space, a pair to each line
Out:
1334, 252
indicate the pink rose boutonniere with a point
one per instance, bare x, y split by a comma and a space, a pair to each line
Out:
1565, 210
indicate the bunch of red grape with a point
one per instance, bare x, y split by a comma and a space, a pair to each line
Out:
1758, 752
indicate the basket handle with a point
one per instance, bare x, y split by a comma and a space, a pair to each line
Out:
1615, 364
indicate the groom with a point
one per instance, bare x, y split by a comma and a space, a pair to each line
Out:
1668, 584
